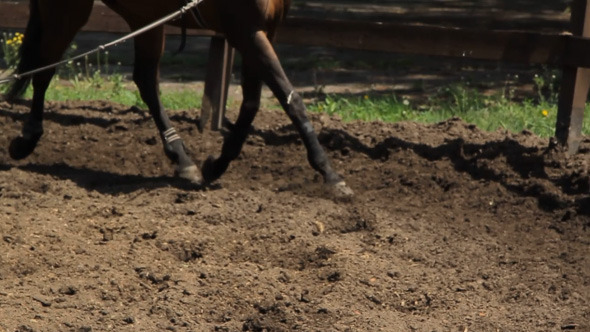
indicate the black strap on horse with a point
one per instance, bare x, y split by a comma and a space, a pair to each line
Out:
196, 15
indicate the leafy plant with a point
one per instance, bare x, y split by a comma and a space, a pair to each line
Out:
10, 44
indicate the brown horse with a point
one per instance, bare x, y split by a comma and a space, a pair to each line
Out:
248, 25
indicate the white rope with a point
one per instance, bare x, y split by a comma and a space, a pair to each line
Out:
180, 12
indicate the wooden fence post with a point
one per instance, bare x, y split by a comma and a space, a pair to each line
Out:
219, 70
574, 87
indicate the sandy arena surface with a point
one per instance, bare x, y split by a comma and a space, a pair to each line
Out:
451, 229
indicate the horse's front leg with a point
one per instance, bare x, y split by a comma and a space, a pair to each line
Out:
258, 53
148, 50
213, 168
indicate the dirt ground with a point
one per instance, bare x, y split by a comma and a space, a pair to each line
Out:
451, 229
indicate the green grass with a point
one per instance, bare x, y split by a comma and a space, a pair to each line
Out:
487, 112
115, 89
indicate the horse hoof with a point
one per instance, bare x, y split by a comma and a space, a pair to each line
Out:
190, 173
341, 190
211, 170
20, 147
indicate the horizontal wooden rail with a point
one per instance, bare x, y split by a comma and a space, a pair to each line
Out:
496, 45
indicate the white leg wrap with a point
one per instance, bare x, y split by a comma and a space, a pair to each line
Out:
170, 135
290, 97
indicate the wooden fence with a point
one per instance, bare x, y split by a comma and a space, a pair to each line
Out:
568, 51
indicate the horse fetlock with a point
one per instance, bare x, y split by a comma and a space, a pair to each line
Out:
32, 130
176, 152
331, 177
171, 153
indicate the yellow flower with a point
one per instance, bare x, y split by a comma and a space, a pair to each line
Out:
8, 42
545, 113
366, 97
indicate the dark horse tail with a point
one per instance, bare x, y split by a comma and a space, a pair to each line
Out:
29, 52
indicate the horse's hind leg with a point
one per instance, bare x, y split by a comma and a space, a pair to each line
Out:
47, 36
258, 53
148, 51
213, 168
